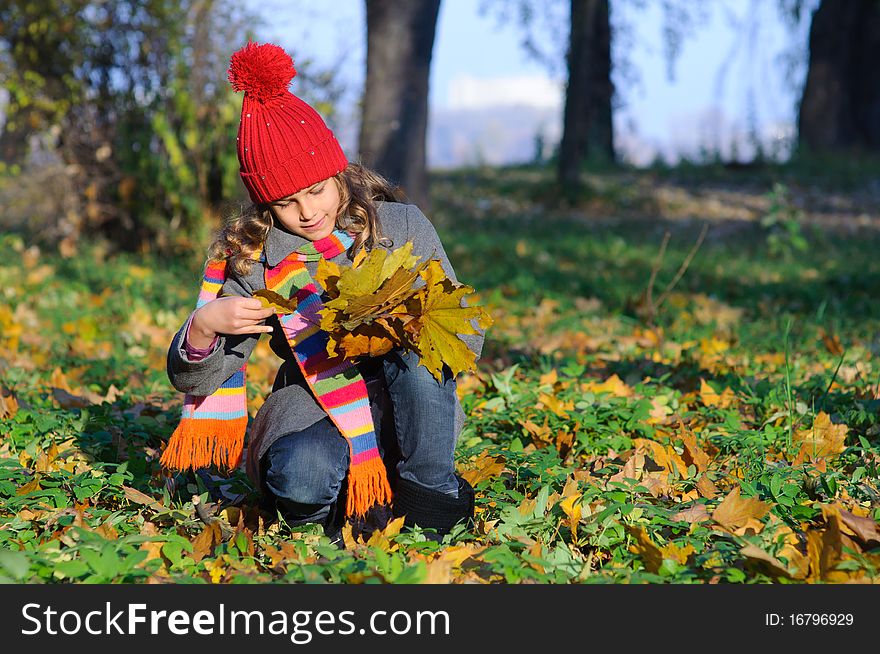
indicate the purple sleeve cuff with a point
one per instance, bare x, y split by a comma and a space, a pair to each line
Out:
196, 353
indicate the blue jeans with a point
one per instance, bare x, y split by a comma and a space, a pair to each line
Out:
305, 470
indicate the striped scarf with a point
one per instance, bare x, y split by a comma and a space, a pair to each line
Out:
212, 428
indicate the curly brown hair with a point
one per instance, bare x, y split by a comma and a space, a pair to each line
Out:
359, 190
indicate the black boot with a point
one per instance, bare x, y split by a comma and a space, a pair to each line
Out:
335, 520
431, 509
376, 518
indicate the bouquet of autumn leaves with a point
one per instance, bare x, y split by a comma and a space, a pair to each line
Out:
377, 305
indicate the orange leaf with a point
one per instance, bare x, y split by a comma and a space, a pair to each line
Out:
484, 467
8, 403
823, 440
706, 488
370, 340
696, 513
613, 385
556, 405
711, 397
865, 530
541, 435
831, 342
761, 560
693, 455
662, 455
735, 511
677, 553
204, 543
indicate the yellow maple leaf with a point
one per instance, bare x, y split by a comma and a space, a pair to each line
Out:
327, 276
557, 406
271, 299
381, 538
395, 290
614, 385
440, 319
824, 439
735, 511
367, 274
710, 397
375, 306
484, 467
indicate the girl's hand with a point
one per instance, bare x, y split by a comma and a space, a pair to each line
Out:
228, 315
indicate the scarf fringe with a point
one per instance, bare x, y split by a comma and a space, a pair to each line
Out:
198, 443
367, 485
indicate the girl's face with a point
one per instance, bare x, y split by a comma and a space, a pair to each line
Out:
310, 213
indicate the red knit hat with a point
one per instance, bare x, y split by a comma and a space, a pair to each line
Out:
283, 145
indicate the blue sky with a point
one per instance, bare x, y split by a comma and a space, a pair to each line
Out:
653, 107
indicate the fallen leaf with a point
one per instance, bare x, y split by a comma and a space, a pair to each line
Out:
484, 467
439, 572
8, 403
679, 554
557, 406
572, 508
381, 538
134, 495
663, 455
735, 511
645, 548
710, 397
632, 469
696, 513
613, 385
831, 342
458, 554
68, 400
564, 442
541, 434
713, 346
204, 543
706, 488
692, 454
30, 487
866, 530
153, 548
823, 440
758, 558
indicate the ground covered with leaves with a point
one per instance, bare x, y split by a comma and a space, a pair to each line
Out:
700, 407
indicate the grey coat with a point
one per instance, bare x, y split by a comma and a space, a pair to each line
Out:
291, 406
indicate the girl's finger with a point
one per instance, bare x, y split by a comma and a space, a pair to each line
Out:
251, 303
254, 329
260, 312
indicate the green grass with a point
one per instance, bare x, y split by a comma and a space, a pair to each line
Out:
566, 286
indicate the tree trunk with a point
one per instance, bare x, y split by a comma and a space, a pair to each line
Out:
840, 106
394, 119
587, 130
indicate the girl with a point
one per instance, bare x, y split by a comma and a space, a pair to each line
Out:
367, 440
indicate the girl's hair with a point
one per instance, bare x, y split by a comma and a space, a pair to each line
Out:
359, 190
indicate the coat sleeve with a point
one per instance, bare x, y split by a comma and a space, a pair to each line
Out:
206, 375
427, 245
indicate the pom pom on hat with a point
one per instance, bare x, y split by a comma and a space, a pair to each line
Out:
261, 71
